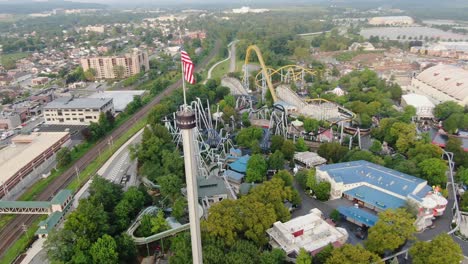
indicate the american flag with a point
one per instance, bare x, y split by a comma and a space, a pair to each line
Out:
187, 66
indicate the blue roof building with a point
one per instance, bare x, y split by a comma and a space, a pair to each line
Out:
372, 185
240, 165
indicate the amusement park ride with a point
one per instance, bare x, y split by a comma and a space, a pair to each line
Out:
212, 134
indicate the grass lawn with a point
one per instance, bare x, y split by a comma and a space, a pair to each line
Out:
13, 56
220, 70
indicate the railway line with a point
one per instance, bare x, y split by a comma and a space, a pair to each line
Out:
13, 230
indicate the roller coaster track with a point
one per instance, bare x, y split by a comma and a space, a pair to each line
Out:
263, 66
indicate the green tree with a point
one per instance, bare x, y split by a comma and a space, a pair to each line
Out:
462, 175
90, 74
179, 207
433, 170
126, 248
104, 250
301, 146
335, 216
276, 161
276, 143
442, 249
454, 145
63, 157
322, 190
423, 151
247, 135
310, 124
333, 152
376, 146
324, 254
288, 149
285, 176
311, 180
304, 257
444, 110
159, 223
301, 178
393, 229
181, 249
144, 230
105, 192
301, 53
404, 135
275, 256
170, 186
256, 169
350, 254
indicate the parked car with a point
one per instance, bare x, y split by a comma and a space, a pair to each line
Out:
360, 233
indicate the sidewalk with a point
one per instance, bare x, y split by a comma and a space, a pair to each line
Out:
33, 251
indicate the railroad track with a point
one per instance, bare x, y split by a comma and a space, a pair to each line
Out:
13, 230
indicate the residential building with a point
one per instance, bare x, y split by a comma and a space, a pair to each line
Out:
424, 107
27, 158
391, 21
366, 46
96, 29
120, 99
310, 232
442, 83
77, 111
108, 67
378, 188
9, 120
39, 81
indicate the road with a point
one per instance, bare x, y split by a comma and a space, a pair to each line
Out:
230, 55
13, 230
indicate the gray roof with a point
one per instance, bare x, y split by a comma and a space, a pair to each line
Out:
77, 103
211, 187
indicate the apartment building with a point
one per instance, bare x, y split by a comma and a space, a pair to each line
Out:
108, 67
77, 111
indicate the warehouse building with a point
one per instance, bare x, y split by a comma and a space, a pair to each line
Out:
379, 188
442, 83
27, 158
76, 111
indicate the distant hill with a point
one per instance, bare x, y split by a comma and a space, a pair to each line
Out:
30, 6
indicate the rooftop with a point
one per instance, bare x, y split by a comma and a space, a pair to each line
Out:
120, 98
234, 176
358, 215
448, 79
17, 155
211, 187
77, 103
240, 165
373, 174
375, 197
61, 196
417, 100
309, 231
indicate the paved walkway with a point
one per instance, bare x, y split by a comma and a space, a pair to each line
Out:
231, 45
33, 251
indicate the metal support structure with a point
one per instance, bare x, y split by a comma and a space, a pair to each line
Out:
187, 123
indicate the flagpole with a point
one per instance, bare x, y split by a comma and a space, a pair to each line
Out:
183, 73
183, 85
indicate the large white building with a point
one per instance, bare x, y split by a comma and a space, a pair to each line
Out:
424, 106
76, 111
310, 232
442, 83
391, 21
27, 157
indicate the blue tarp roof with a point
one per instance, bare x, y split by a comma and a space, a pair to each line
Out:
240, 165
375, 197
358, 215
234, 175
364, 171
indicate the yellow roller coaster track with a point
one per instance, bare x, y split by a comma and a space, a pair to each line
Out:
268, 72
291, 69
264, 68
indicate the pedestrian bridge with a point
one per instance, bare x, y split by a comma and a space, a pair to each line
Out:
57, 204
